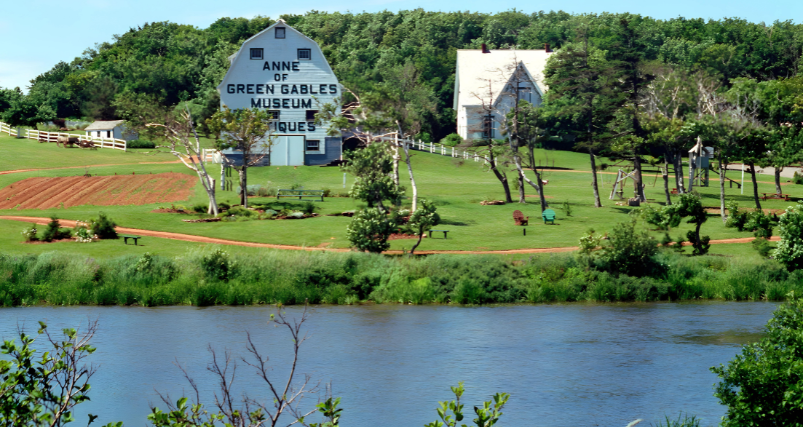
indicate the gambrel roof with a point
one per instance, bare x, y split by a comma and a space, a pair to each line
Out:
475, 69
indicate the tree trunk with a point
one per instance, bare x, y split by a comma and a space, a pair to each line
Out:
210, 192
396, 158
522, 198
412, 181
500, 175
420, 236
665, 175
638, 181
778, 171
539, 187
679, 173
243, 186
755, 184
597, 202
722, 170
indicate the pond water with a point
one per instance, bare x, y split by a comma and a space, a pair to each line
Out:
564, 365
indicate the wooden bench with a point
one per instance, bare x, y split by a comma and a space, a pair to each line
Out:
125, 239
444, 232
548, 216
520, 219
674, 191
766, 196
318, 194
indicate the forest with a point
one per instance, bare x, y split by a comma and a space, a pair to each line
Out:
173, 62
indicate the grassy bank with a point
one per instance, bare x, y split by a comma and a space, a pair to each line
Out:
209, 277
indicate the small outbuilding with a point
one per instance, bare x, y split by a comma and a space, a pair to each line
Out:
111, 129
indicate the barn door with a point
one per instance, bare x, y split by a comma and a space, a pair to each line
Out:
287, 150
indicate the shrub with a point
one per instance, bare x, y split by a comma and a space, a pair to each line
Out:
103, 227
789, 251
369, 230
217, 265
567, 208
629, 251
30, 233
327, 192
590, 242
761, 386
762, 246
309, 207
223, 206
54, 232
797, 178
736, 219
452, 140
140, 143
200, 208
760, 224
662, 218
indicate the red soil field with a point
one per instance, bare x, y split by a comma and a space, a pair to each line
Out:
46, 193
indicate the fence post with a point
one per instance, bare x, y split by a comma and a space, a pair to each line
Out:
431, 148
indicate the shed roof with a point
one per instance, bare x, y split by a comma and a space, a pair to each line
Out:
475, 69
105, 125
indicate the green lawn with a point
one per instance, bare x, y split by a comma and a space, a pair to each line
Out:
456, 186
18, 154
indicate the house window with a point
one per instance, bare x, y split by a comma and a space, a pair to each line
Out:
304, 54
98, 134
274, 115
313, 145
257, 53
488, 126
280, 32
311, 115
108, 134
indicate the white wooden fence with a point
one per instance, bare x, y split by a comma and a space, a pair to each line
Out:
437, 149
210, 155
41, 136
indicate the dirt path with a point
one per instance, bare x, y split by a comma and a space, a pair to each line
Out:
87, 166
213, 240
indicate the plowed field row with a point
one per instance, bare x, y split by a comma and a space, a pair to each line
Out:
46, 193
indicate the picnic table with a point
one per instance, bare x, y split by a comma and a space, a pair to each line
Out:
135, 238
766, 196
318, 194
444, 232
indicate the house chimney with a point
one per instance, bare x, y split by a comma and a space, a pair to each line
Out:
546, 48
485, 49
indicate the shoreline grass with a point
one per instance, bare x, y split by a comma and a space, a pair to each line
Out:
211, 276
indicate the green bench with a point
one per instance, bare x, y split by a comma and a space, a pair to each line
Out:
444, 232
318, 194
548, 216
135, 238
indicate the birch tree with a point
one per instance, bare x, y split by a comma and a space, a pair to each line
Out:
247, 131
173, 125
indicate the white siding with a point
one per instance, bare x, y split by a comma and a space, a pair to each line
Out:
283, 82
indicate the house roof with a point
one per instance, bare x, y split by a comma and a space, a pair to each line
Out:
475, 69
105, 125
279, 22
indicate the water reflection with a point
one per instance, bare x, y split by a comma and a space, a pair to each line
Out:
564, 365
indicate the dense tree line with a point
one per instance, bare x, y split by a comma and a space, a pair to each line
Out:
173, 62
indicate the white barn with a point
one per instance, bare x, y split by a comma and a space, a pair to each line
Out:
110, 129
283, 71
486, 77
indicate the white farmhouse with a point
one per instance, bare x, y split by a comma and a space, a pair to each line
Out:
283, 71
488, 81
110, 129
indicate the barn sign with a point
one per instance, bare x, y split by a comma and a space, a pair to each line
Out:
284, 72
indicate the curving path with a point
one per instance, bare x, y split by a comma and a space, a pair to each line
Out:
214, 240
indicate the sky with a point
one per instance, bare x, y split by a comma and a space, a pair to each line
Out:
37, 34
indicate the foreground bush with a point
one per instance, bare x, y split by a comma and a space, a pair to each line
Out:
762, 385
